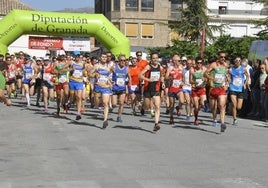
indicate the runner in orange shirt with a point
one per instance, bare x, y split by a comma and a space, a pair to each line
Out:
134, 87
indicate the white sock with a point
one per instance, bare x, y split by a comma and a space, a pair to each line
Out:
27, 98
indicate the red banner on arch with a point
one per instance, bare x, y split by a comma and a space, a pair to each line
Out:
45, 43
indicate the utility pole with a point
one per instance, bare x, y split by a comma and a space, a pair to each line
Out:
203, 41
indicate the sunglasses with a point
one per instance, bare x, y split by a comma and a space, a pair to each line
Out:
199, 62
139, 55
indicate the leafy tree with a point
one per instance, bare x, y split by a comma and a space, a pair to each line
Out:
183, 48
193, 20
232, 46
263, 34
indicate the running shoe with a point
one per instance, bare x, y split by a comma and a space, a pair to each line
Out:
223, 127
82, 110
167, 111
134, 113
188, 118
58, 113
105, 124
119, 119
178, 110
196, 122
152, 114
45, 110
156, 127
142, 112
235, 122
214, 124
171, 120
78, 117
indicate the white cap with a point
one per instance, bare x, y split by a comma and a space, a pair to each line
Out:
46, 58
184, 58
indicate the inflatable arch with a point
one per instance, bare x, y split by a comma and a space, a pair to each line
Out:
19, 22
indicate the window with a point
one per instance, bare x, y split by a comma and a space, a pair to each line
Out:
131, 30
176, 7
132, 5
147, 31
147, 5
223, 7
116, 5
222, 10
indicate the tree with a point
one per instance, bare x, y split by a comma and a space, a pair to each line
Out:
232, 46
263, 34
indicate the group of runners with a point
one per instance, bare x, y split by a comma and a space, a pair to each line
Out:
108, 82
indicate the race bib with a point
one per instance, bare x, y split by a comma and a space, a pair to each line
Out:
187, 87
155, 76
47, 76
199, 82
219, 78
28, 75
237, 81
120, 81
102, 80
12, 74
133, 87
77, 74
62, 79
176, 83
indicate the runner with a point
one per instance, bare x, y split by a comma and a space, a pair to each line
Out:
19, 73
3, 98
175, 75
134, 87
47, 82
101, 72
238, 82
10, 74
30, 72
153, 80
76, 85
61, 84
120, 74
186, 88
198, 82
217, 74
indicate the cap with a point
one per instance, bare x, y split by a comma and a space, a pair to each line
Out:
184, 58
27, 57
46, 58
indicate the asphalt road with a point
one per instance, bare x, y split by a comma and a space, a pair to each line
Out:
39, 150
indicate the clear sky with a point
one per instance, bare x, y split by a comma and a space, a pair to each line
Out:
52, 5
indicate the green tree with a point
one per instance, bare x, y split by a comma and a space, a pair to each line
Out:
183, 48
263, 34
193, 20
232, 46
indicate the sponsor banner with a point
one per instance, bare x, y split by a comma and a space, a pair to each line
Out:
76, 44
45, 43
58, 43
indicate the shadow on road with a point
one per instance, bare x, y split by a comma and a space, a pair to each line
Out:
84, 124
194, 128
133, 128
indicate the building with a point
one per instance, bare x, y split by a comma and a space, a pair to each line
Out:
237, 15
145, 22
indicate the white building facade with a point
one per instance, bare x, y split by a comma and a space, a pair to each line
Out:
237, 15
